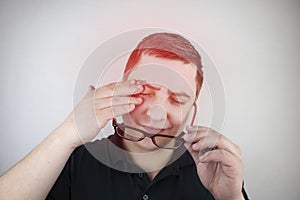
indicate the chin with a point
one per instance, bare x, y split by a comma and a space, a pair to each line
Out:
146, 145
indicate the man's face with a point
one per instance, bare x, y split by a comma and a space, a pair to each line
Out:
167, 98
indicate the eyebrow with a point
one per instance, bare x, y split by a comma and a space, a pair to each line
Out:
181, 94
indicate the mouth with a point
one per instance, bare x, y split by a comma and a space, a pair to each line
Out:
153, 130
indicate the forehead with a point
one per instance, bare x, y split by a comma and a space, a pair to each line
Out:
172, 74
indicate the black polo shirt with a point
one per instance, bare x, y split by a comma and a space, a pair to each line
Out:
85, 177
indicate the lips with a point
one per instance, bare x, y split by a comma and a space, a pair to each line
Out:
152, 130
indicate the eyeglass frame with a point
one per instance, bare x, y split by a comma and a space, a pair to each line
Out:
117, 125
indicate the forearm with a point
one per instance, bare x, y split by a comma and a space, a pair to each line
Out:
33, 177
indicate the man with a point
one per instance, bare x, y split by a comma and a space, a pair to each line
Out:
146, 157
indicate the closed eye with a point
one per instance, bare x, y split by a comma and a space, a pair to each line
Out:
146, 94
177, 101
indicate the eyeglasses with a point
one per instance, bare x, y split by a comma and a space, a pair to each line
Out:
136, 135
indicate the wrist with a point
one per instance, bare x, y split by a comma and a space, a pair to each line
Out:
67, 134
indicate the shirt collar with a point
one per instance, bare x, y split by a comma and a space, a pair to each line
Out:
119, 157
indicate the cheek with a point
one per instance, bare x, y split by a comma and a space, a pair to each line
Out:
139, 112
134, 116
179, 115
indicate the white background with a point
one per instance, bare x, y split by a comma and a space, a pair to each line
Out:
254, 44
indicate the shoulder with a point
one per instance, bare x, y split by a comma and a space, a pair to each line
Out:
99, 152
91, 152
97, 148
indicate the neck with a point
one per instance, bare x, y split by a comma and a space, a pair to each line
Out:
150, 161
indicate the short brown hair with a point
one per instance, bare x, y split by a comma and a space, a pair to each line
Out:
170, 46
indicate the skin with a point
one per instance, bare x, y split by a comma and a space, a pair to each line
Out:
220, 170
167, 100
33, 176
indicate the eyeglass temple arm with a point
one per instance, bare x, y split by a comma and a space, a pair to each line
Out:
195, 113
115, 124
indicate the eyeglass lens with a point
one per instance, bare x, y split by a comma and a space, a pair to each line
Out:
135, 135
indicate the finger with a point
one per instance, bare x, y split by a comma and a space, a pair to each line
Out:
190, 128
117, 101
208, 141
193, 153
195, 133
205, 138
222, 156
111, 112
212, 142
200, 133
124, 88
231, 166
194, 136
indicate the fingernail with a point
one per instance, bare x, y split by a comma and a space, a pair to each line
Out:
131, 106
140, 88
195, 146
139, 100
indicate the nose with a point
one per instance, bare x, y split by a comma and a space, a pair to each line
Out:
157, 114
